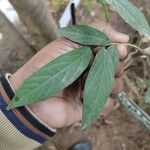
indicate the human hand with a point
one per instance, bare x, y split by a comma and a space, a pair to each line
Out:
66, 107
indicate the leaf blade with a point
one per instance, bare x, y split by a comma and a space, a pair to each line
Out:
132, 15
114, 54
84, 35
98, 85
53, 77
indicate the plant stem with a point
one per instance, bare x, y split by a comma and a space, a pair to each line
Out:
145, 51
128, 44
134, 54
134, 110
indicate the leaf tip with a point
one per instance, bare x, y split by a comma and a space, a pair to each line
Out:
10, 106
7, 108
84, 125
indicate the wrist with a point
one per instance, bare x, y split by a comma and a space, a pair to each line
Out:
22, 119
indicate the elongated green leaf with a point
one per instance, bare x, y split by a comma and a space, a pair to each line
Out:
147, 97
84, 35
132, 15
98, 85
53, 77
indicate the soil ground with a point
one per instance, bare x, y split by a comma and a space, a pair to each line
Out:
122, 132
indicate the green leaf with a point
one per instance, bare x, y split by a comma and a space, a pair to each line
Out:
98, 84
84, 35
53, 77
132, 15
147, 97
102, 2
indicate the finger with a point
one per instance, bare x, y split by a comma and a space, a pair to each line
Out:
113, 35
116, 36
55, 49
122, 49
119, 70
117, 87
109, 107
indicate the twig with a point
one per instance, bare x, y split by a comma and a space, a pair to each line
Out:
145, 51
138, 52
128, 44
134, 110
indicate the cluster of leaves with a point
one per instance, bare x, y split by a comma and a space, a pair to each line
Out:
64, 70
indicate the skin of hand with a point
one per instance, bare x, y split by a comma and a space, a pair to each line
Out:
65, 108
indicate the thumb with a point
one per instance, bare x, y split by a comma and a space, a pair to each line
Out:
113, 35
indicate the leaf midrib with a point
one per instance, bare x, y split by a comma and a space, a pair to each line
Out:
56, 74
86, 34
93, 108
